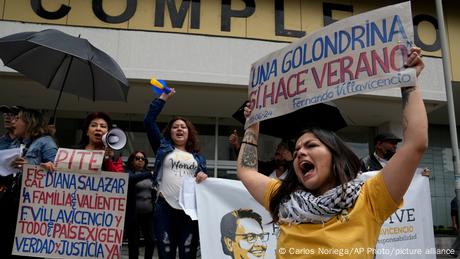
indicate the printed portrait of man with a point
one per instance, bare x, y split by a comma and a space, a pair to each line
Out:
242, 234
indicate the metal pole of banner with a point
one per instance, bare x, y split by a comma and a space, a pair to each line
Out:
450, 99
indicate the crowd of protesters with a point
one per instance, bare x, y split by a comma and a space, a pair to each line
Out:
153, 195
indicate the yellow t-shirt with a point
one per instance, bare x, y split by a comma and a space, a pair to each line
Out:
355, 238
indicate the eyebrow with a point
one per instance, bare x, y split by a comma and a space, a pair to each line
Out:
96, 123
297, 147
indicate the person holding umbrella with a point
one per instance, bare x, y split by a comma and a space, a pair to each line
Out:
94, 127
323, 203
177, 158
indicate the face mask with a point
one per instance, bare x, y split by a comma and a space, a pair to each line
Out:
388, 154
280, 162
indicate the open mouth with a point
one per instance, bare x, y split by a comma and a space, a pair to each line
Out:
306, 167
258, 252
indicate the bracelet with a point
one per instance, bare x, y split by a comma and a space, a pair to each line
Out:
249, 143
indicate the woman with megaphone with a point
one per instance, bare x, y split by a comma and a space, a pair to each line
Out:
177, 158
94, 130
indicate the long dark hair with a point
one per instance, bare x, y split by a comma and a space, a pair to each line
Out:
95, 115
345, 166
129, 163
192, 144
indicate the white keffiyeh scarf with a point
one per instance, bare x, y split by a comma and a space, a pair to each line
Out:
304, 207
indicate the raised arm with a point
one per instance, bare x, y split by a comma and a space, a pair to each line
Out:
150, 119
255, 182
400, 169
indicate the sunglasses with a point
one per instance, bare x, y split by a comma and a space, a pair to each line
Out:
140, 158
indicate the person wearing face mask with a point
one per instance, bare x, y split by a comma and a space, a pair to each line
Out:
385, 145
177, 157
94, 127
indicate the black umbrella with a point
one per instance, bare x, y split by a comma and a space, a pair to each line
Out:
65, 63
288, 126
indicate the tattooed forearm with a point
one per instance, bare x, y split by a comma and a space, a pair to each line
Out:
249, 157
250, 137
405, 93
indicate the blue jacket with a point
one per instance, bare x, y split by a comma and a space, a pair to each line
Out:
40, 150
161, 145
6, 141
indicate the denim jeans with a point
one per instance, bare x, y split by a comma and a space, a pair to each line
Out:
174, 229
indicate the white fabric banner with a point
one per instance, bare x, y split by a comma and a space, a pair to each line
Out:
218, 202
408, 233
362, 53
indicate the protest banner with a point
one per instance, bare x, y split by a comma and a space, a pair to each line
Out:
79, 160
408, 233
71, 214
217, 198
355, 55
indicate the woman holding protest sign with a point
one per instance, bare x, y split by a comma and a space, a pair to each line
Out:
94, 127
139, 210
38, 148
323, 203
177, 158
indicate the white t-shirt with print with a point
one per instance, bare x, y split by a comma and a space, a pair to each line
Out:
176, 165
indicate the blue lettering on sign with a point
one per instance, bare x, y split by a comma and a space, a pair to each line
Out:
85, 182
34, 245
81, 249
264, 72
357, 37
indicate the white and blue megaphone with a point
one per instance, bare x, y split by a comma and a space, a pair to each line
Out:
114, 139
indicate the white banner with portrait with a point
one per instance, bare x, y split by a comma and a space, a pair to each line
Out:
220, 203
408, 233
